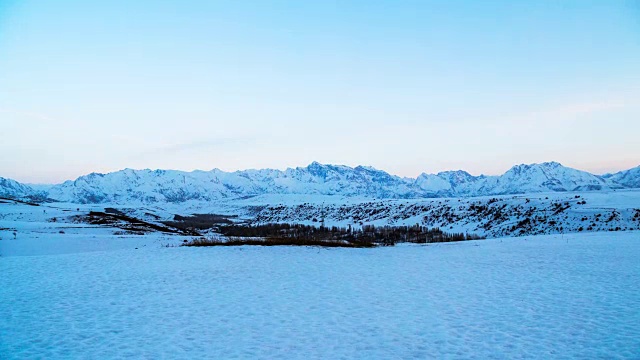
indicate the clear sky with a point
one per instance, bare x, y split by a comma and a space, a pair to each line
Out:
404, 86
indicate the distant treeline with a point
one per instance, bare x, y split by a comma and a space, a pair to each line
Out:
197, 222
367, 234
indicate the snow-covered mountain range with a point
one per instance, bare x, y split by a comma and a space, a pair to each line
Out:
157, 186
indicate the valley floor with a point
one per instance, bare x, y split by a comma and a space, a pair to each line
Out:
562, 297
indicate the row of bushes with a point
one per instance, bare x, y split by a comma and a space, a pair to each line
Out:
275, 241
198, 222
298, 234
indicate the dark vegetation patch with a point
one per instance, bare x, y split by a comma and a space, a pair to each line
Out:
19, 201
113, 211
152, 215
306, 235
273, 241
34, 199
127, 223
197, 222
127, 232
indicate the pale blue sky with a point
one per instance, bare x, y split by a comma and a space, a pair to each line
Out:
404, 86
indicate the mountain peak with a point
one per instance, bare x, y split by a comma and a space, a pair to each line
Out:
367, 168
543, 165
553, 164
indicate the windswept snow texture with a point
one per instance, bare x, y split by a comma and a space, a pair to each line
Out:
169, 186
546, 297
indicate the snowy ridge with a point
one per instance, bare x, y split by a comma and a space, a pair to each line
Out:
13, 189
628, 178
171, 186
490, 216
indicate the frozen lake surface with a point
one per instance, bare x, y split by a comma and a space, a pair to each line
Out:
573, 297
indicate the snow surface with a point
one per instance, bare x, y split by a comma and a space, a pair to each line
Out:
561, 297
30, 230
72, 290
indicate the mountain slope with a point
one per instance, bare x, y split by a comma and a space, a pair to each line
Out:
549, 176
448, 183
628, 178
13, 189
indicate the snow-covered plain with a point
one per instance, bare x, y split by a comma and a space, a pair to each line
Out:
561, 297
73, 290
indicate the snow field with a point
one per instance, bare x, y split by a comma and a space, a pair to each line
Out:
561, 297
